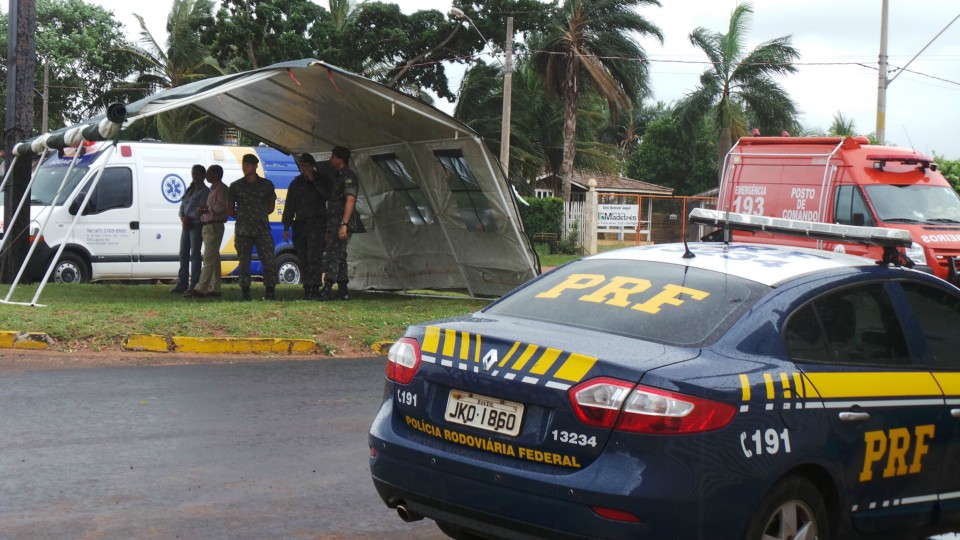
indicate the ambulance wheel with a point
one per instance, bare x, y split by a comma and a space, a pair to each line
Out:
792, 509
288, 269
71, 269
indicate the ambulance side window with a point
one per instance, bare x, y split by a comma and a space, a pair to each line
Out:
115, 190
851, 326
850, 207
938, 312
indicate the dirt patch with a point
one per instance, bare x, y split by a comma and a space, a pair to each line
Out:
80, 354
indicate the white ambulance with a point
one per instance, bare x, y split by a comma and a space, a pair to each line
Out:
130, 229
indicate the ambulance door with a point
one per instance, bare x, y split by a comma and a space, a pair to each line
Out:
850, 208
936, 312
880, 406
107, 226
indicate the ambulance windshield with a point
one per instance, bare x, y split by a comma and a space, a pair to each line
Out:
48, 181
914, 204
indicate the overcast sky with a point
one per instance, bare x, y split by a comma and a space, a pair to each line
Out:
839, 43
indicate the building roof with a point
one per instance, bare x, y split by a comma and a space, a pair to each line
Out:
612, 183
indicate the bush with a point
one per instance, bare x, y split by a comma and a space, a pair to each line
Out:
544, 215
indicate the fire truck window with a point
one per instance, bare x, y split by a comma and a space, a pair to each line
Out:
850, 208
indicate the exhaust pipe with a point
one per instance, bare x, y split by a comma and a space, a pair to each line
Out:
406, 514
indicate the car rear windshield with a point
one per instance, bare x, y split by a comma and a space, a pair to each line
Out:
660, 302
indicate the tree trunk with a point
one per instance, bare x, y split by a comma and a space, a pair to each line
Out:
724, 146
21, 64
571, 102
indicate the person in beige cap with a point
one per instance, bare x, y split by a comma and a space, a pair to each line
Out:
251, 200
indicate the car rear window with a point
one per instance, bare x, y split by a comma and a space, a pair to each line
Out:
660, 302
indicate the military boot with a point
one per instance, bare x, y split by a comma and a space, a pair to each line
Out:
326, 293
342, 292
269, 295
246, 293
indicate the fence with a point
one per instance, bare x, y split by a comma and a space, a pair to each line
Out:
660, 218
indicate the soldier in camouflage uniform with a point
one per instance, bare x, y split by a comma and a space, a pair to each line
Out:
305, 212
340, 210
251, 200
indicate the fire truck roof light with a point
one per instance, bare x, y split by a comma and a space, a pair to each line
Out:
875, 236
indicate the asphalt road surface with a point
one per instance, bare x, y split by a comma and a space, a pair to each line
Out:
255, 450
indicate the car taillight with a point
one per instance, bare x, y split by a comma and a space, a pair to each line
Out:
403, 360
614, 404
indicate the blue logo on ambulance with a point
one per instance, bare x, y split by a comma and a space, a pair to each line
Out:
173, 188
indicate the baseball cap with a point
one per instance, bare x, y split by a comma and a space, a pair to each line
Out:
250, 158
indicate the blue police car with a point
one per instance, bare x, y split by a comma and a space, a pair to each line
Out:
710, 391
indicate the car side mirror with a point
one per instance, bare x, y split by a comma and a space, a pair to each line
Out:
858, 219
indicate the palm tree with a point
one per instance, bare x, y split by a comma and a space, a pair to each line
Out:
184, 59
738, 86
591, 45
841, 126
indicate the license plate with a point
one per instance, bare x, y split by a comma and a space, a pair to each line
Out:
482, 412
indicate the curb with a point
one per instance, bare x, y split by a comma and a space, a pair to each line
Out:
25, 340
185, 344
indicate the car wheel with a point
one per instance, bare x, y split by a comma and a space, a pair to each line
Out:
792, 510
457, 533
288, 269
71, 269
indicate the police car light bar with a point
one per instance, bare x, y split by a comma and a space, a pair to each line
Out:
874, 236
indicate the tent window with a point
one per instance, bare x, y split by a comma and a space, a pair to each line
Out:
404, 186
475, 210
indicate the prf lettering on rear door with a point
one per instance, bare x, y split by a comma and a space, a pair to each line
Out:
895, 444
617, 291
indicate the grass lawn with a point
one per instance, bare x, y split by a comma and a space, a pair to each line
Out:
97, 316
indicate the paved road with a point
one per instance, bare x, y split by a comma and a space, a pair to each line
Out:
249, 450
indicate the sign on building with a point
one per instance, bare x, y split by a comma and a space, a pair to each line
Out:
618, 215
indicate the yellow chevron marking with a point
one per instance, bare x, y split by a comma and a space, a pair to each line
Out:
769, 382
798, 386
449, 341
506, 358
546, 360
476, 351
525, 357
464, 346
431, 340
575, 367
874, 384
785, 381
745, 387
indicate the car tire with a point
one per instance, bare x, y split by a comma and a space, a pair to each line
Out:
792, 509
457, 533
71, 269
288, 269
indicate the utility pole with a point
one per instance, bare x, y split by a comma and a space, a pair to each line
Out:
46, 97
507, 101
882, 83
21, 46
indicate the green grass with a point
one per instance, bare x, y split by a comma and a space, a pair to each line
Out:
97, 316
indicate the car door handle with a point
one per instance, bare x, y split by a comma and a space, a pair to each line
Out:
955, 413
847, 416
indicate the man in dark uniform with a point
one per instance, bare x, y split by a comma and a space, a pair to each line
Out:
251, 200
340, 210
305, 213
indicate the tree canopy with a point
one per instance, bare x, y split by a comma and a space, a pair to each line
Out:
79, 41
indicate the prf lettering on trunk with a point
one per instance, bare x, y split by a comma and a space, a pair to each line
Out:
896, 444
618, 290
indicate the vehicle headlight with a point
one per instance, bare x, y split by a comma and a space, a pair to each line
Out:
916, 253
